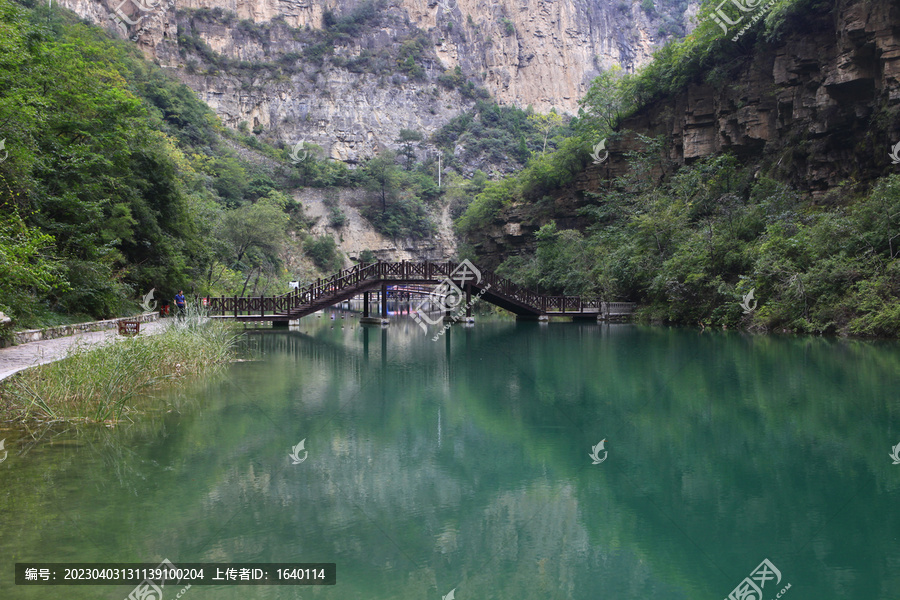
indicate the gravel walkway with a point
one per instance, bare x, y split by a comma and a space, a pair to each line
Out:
24, 356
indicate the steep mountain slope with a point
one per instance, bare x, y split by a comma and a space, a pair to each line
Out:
349, 75
758, 185
816, 108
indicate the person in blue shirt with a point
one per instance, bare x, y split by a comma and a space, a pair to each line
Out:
179, 301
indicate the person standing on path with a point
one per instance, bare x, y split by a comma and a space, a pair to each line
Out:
179, 302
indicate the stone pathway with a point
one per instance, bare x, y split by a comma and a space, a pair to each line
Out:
24, 356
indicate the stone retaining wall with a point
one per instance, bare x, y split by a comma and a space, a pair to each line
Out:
36, 335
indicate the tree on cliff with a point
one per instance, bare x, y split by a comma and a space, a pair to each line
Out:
546, 124
407, 138
382, 176
604, 104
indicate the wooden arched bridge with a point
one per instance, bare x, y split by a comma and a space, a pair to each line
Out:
457, 282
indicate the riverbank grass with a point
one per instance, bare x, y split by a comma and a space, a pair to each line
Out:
96, 384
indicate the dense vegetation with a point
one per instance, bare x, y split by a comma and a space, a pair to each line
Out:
690, 243
689, 248
117, 180
497, 135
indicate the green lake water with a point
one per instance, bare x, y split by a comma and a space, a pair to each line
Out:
463, 464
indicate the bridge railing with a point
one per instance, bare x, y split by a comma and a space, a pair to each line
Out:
565, 304
323, 288
247, 306
426, 271
618, 308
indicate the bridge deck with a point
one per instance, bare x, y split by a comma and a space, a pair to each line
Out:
462, 282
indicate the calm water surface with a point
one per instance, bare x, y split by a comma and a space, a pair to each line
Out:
464, 464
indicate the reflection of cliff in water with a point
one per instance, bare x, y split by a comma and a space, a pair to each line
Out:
465, 464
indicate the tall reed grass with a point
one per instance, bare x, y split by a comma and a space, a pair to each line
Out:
98, 383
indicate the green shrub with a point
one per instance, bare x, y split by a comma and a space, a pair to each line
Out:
502, 134
336, 216
406, 217
324, 253
487, 205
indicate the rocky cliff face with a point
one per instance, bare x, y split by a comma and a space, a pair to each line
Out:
356, 235
816, 109
809, 105
533, 52
538, 52
269, 64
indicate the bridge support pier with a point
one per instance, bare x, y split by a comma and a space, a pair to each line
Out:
367, 319
280, 324
373, 321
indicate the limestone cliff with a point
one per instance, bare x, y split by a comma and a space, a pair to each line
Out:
815, 109
539, 52
809, 106
356, 234
348, 80
542, 53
